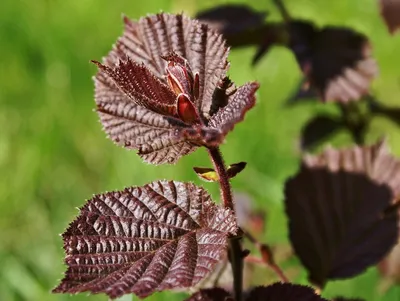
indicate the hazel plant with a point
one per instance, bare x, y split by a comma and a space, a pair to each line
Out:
163, 90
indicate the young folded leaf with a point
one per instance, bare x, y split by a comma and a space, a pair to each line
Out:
163, 235
390, 11
156, 90
340, 210
210, 175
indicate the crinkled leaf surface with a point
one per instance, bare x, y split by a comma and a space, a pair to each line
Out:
211, 294
164, 235
135, 127
337, 207
238, 104
390, 11
375, 160
283, 292
136, 106
154, 36
141, 86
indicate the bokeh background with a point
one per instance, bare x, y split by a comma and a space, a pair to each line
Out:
54, 155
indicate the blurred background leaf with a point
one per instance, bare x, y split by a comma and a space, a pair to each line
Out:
54, 155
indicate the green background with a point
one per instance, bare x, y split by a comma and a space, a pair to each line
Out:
54, 155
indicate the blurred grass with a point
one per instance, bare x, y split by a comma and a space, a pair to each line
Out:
53, 154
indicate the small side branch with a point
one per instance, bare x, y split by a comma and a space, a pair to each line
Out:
266, 259
282, 9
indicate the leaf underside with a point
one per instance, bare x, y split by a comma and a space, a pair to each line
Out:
337, 206
374, 160
164, 235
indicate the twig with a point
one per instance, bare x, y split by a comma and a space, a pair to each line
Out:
266, 257
282, 9
235, 246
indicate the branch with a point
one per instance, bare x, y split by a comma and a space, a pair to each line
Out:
235, 246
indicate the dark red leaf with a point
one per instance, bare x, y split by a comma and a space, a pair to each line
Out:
224, 89
231, 19
157, 137
211, 294
141, 86
283, 292
336, 60
153, 37
318, 129
235, 168
338, 208
164, 235
238, 104
390, 11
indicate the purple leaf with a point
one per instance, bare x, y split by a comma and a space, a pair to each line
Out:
232, 19
164, 235
238, 104
283, 292
317, 129
211, 294
339, 208
390, 11
336, 60
160, 84
153, 37
142, 87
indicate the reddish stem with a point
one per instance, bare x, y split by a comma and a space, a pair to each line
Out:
266, 259
224, 183
235, 246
